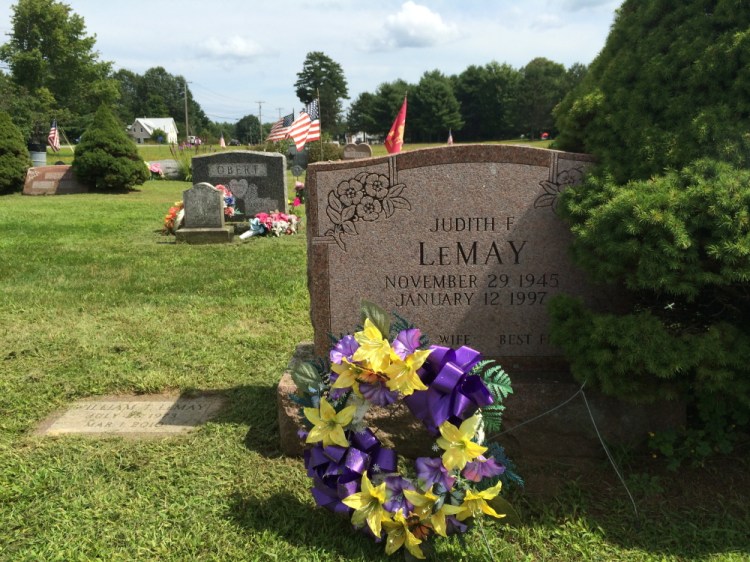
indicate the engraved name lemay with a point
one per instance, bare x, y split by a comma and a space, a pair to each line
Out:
516, 284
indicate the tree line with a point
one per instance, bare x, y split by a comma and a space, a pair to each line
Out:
490, 102
54, 71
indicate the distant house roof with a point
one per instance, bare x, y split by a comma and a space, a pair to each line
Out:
166, 124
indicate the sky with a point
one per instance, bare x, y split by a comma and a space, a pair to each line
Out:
242, 57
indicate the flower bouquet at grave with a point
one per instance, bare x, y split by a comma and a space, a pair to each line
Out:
230, 209
174, 217
458, 397
155, 169
272, 224
299, 191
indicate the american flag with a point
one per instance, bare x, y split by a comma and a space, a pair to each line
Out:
450, 136
222, 144
280, 129
307, 125
53, 139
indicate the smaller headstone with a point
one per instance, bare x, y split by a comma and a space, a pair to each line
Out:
52, 180
134, 416
354, 151
204, 216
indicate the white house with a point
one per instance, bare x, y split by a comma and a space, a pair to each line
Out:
142, 128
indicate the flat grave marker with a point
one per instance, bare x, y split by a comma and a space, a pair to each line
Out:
52, 180
134, 415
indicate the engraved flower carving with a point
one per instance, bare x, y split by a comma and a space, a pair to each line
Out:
366, 197
552, 190
369, 209
350, 192
376, 186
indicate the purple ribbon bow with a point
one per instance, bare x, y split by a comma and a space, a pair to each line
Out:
337, 471
452, 394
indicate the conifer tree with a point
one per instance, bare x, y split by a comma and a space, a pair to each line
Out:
14, 156
106, 158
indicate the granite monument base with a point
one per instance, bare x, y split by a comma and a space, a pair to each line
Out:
561, 430
204, 235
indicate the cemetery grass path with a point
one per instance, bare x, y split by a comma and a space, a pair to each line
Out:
95, 301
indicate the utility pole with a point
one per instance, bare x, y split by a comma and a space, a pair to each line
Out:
279, 109
260, 120
187, 132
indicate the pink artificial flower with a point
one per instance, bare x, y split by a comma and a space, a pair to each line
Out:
299, 185
296, 202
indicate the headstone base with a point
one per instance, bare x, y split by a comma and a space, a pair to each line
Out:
564, 433
204, 235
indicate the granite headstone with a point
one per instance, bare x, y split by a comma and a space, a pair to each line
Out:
52, 180
256, 179
204, 216
465, 243
353, 151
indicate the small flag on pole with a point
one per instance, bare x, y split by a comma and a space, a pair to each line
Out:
450, 137
307, 126
53, 138
395, 139
222, 144
280, 129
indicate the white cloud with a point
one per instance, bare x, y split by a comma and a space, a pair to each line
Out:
577, 5
236, 48
414, 26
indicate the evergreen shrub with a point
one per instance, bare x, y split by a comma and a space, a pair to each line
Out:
14, 156
106, 158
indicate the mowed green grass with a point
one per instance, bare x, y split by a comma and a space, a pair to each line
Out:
95, 301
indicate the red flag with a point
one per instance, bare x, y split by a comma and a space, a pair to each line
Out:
53, 138
395, 139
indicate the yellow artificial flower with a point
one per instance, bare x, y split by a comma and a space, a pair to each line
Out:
373, 347
350, 375
457, 443
328, 426
368, 505
424, 505
398, 534
475, 503
402, 375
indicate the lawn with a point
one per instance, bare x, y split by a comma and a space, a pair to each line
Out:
94, 300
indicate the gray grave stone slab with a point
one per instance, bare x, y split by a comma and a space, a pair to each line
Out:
204, 206
52, 180
353, 151
134, 415
170, 168
465, 243
256, 179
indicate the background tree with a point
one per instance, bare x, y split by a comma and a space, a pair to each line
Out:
247, 130
323, 74
48, 48
543, 85
433, 108
106, 158
388, 99
14, 156
361, 115
488, 96
128, 105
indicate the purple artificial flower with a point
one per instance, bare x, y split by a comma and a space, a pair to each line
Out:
431, 471
395, 486
454, 526
407, 342
481, 468
344, 349
336, 393
378, 394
